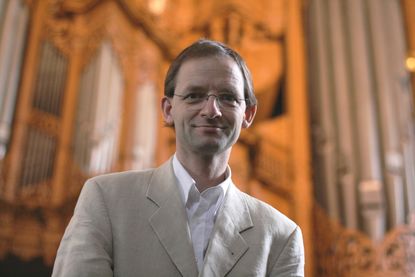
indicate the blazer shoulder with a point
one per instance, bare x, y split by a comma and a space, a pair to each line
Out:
122, 177
131, 177
120, 183
264, 214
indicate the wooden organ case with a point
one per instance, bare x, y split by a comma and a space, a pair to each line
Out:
88, 104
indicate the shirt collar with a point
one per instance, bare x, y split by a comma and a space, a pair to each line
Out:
186, 181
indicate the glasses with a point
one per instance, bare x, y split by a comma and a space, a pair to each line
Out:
197, 100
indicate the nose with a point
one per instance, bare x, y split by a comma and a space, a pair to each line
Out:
211, 108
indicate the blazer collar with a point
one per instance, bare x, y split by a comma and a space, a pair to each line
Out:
169, 221
227, 245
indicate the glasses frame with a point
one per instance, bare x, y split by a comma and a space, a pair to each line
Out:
206, 98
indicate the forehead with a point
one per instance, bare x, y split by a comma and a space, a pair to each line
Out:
212, 72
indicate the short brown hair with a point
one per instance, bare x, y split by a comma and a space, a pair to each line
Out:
206, 48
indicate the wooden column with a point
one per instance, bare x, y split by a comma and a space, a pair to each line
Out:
24, 105
63, 152
297, 105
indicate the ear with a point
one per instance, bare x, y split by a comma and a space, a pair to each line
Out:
249, 116
166, 109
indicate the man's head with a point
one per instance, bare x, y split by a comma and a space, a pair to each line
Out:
208, 99
207, 48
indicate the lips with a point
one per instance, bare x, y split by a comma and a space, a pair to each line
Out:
208, 126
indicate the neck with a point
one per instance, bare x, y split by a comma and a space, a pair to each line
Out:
207, 171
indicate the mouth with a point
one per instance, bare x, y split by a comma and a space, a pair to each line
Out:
208, 129
213, 127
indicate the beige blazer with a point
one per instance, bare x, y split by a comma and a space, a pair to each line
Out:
134, 224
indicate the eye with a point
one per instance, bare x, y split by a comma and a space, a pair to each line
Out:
194, 96
228, 98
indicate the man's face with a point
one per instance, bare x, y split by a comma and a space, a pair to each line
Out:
209, 129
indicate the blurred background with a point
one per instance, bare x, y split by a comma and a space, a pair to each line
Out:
332, 147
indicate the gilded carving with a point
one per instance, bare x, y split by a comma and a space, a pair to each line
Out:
348, 252
77, 6
138, 55
45, 122
73, 35
35, 195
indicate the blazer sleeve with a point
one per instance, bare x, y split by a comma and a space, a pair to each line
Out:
291, 260
86, 246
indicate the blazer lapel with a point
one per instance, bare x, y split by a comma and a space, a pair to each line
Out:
169, 221
227, 245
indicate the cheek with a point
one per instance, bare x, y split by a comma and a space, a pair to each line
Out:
239, 120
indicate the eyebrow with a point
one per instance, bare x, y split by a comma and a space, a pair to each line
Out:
197, 88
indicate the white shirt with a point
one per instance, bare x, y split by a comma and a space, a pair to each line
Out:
201, 208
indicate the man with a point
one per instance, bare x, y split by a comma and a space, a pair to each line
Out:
185, 218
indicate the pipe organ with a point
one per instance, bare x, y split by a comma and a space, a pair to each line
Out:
363, 138
14, 16
80, 86
88, 104
96, 127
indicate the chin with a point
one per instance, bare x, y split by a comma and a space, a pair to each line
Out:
212, 148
